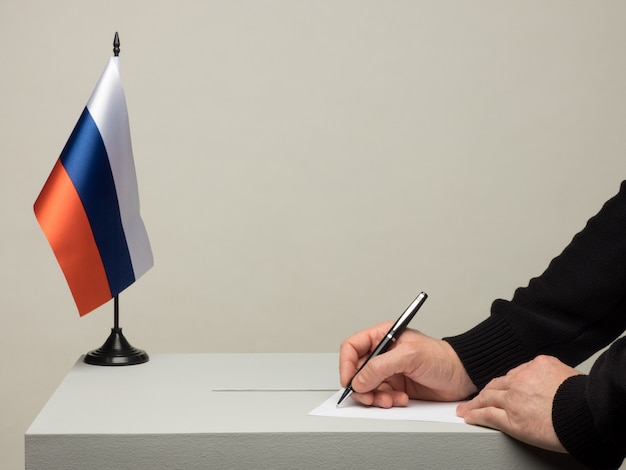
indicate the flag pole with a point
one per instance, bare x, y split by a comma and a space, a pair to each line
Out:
116, 312
116, 350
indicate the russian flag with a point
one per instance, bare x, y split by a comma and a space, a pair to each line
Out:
89, 207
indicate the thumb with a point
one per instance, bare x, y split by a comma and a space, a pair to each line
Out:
377, 370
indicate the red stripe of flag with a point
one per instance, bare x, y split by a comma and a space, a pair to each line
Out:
62, 218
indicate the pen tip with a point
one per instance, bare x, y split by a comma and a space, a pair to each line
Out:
346, 393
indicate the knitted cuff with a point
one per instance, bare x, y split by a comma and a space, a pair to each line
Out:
488, 350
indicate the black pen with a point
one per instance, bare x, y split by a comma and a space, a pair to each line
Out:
390, 338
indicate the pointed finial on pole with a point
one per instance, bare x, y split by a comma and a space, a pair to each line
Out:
116, 45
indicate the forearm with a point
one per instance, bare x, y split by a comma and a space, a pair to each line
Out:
577, 306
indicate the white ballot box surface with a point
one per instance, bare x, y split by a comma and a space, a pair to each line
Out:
244, 411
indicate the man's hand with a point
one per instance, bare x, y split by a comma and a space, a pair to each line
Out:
520, 403
418, 366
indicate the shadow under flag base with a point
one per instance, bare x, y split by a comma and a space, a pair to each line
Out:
116, 350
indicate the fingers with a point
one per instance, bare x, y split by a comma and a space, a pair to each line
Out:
490, 417
489, 407
381, 382
379, 369
493, 395
488, 398
383, 399
371, 381
356, 348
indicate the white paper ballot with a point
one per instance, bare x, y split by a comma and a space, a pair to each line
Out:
416, 410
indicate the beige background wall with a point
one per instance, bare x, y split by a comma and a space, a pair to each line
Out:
306, 167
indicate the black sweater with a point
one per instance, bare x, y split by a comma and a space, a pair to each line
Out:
575, 308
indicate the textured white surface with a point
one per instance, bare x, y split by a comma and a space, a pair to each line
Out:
197, 411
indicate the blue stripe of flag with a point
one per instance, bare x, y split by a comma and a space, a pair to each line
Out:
86, 162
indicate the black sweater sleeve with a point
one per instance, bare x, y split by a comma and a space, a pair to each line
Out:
588, 412
576, 307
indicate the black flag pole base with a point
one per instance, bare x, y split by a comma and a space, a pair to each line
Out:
116, 351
